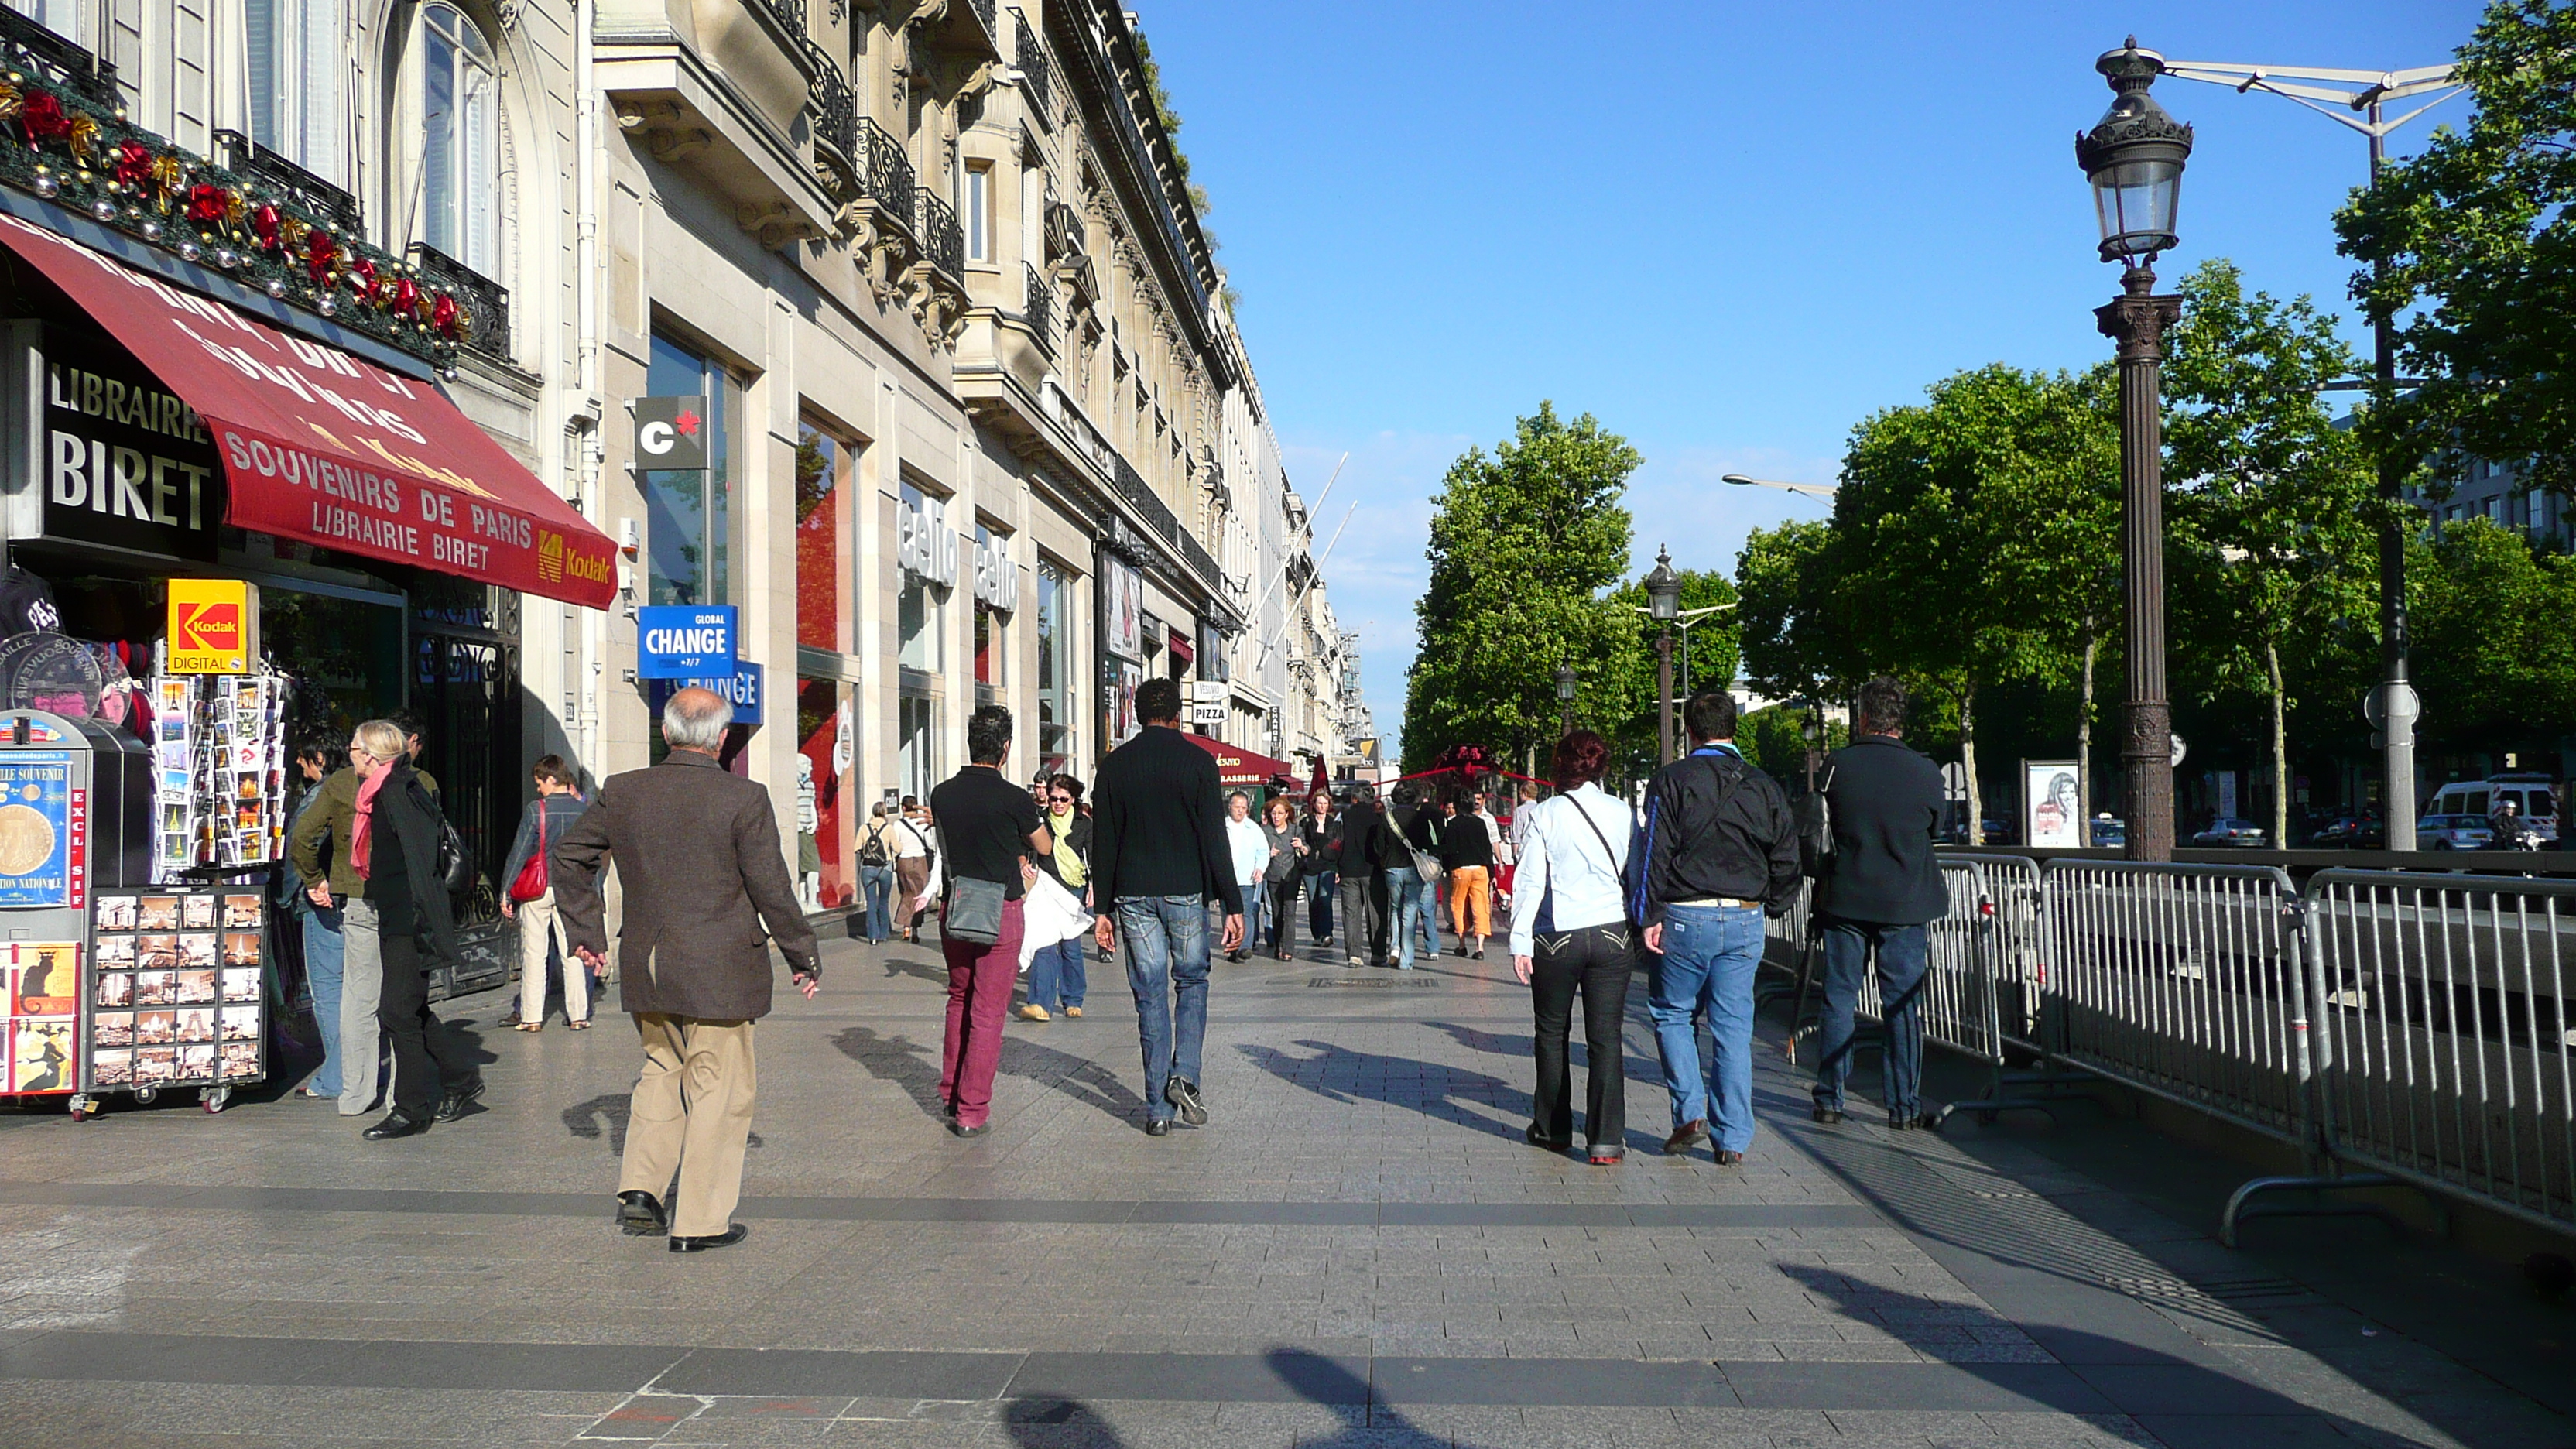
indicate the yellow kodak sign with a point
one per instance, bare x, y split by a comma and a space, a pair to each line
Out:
214, 626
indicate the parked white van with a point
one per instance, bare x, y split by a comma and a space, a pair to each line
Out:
2530, 793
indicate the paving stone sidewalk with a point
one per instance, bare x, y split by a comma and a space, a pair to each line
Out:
1358, 1250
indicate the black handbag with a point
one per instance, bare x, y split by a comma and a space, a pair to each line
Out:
974, 911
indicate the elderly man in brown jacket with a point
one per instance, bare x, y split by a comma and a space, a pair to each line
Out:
706, 888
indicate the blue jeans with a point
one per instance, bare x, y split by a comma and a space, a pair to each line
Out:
1166, 941
1319, 906
1903, 953
1430, 913
1404, 902
1710, 955
878, 882
1056, 974
325, 952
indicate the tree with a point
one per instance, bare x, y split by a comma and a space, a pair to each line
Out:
1775, 740
1523, 544
2473, 244
1793, 640
2495, 652
2275, 510
1709, 663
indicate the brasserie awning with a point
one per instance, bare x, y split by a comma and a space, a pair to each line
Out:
1239, 766
326, 447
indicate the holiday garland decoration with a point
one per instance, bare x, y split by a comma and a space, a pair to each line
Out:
58, 145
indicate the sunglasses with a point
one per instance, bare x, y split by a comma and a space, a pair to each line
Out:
1062, 799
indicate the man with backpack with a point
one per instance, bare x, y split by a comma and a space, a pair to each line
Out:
1717, 851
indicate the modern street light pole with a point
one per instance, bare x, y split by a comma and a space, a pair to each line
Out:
1664, 604
2134, 158
2363, 108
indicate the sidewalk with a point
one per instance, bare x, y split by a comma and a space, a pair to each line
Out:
1358, 1250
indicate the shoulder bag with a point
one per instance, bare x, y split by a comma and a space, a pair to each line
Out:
531, 881
1425, 864
974, 911
1815, 822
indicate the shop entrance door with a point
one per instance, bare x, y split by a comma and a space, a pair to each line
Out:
465, 688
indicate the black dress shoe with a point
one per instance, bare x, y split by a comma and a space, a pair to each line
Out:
1829, 1115
1531, 1136
452, 1106
396, 1125
960, 1129
1159, 1127
1685, 1137
725, 1239
640, 1214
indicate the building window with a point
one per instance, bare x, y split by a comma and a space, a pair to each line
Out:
687, 512
921, 609
977, 213
822, 731
822, 470
917, 725
69, 19
460, 140
1055, 668
297, 56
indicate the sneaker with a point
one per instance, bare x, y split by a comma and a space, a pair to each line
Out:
1031, 1011
1829, 1115
1184, 1096
1159, 1127
1355, 961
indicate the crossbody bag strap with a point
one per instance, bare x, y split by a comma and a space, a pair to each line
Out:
1598, 834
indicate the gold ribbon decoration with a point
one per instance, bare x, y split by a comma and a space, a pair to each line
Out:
84, 138
11, 101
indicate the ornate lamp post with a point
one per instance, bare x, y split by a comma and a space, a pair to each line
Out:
1664, 605
1566, 679
2134, 158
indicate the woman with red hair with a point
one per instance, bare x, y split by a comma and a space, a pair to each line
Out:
1570, 934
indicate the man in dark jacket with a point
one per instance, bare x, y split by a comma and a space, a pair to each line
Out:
1719, 850
1366, 840
1467, 857
1877, 891
1158, 856
706, 889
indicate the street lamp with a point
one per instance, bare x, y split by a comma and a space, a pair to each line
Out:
1566, 679
2134, 158
1664, 604
1813, 490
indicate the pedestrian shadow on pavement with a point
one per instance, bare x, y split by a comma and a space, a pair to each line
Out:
1078, 1077
895, 1059
1365, 1421
586, 1120
1339, 1074
898, 964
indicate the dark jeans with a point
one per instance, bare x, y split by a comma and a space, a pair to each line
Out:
1166, 941
427, 1063
1363, 915
1057, 975
1902, 953
1283, 909
1319, 906
1597, 961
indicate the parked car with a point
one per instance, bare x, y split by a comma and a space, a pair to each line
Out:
2350, 832
2226, 830
2454, 832
2109, 834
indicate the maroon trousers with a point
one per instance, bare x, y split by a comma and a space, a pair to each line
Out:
980, 982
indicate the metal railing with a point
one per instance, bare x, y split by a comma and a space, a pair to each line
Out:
483, 320
325, 204
1038, 306
943, 241
836, 122
1037, 73
986, 11
27, 46
889, 171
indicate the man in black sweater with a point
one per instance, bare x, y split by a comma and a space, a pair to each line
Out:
1158, 856
1365, 843
1875, 894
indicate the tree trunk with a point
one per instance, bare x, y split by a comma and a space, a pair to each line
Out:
2280, 748
2084, 740
1968, 763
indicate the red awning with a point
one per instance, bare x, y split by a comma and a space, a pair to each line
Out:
1241, 767
321, 446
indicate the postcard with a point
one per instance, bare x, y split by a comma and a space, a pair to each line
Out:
116, 913
156, 1028
112, 1029
155, 1065
197, 913
197, 1063
112, 1069
115, 988
241, 983
196, 986
158, 913
196, 1023
156, 988
199, 949
241, 913
241, 948
240, 1061
116, 953
235, 1024
156, 951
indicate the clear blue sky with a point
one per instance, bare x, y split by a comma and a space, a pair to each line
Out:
1728, 231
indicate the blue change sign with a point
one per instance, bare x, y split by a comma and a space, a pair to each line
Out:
686, 641
746, 687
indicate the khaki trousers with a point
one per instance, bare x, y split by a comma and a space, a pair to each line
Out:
540, 926
691, 1112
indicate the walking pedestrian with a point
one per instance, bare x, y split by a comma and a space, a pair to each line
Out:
912, 859
325, 948
393, 845
1365, 840
333, 884
698, 851
1467, 855
1319, 848
541, 934
1878, 890
1570, 934
876, 874
1412, 873
1279, 879
992, 834
1058, 979
1250, 848
1719, 851
1158, 856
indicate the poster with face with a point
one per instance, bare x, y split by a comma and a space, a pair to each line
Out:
2052, 816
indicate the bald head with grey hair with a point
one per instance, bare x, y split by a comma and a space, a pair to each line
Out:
696, 719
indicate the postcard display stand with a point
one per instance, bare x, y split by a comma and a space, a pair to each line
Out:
115, 983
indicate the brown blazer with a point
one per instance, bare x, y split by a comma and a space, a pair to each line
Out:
697, 848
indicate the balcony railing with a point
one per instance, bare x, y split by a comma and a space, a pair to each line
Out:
985, 11
943, 241
790, 15
889, 171
1037, 73
316, 197
483, 304
30, 48
1039, 307
836, 125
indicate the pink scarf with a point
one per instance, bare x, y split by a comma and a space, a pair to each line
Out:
362, 830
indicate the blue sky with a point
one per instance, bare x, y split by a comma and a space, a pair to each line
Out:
1730, 231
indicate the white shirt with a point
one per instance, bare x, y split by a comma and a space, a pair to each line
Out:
1251, 847
1562, 859
906, 839
1494, 833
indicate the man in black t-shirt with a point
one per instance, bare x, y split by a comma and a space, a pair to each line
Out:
989, 830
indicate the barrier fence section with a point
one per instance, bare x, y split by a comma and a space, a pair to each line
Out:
1955, 1006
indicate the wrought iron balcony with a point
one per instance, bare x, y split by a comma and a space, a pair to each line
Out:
889, 171
29, 48
836, 130
1039, 308
985, 11
943, 241
483, 304
1037, 73
317, 198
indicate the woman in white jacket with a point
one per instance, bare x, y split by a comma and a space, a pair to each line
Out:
1570, 934
1250, 846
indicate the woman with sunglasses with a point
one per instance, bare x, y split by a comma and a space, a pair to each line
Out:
1056, 976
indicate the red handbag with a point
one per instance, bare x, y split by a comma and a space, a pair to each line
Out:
531, 881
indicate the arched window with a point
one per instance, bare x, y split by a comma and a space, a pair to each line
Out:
460, 140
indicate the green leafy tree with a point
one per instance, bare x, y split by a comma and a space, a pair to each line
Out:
1794, 640
2471, 248
1775, 740
2275, 509
2495, 655
1709, 662
1524, 542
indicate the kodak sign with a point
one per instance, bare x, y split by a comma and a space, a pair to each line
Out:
214, 626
